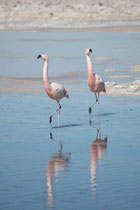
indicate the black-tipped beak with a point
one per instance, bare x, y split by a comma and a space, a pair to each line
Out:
90, 50
39, 57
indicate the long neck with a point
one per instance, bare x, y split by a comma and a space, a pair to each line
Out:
45, 75
91, 76
89, 65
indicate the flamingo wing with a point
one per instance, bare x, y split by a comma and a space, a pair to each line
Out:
98, 84
58, 91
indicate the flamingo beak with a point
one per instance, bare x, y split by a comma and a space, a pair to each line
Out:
39, 57
90, 50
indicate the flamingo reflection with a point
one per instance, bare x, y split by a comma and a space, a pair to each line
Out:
57, 166
98, 148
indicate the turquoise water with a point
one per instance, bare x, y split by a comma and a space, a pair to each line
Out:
71, 167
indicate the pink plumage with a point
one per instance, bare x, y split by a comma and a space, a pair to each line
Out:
95, 81
54, 90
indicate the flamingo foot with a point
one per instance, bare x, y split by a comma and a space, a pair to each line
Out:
89, 110
51, 136
50, 119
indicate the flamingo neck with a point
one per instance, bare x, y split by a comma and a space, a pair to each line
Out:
89, 64
90, 68
45, 75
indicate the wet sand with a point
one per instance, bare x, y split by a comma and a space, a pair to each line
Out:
60, 26
32, 85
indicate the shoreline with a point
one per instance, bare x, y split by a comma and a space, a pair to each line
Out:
74, 26
80, 15
9, 85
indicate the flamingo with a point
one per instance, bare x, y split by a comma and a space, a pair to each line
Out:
54, 90
95, 82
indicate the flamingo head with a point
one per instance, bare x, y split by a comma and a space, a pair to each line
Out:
43, 56
88, 51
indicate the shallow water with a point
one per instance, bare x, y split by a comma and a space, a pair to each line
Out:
67, 52
70, 167
115, 57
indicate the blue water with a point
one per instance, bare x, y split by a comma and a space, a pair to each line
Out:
49, 168
18, 52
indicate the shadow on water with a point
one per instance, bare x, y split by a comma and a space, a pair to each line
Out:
97, 151
69, 125
107, 114
56, 168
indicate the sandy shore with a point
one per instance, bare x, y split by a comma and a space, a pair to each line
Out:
35, 85
36, 15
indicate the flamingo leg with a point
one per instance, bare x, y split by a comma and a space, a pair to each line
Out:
98, 106
58, 110
97, 100
99, 119
58, 118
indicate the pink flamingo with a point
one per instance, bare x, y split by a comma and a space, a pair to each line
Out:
95, 82
54, 90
